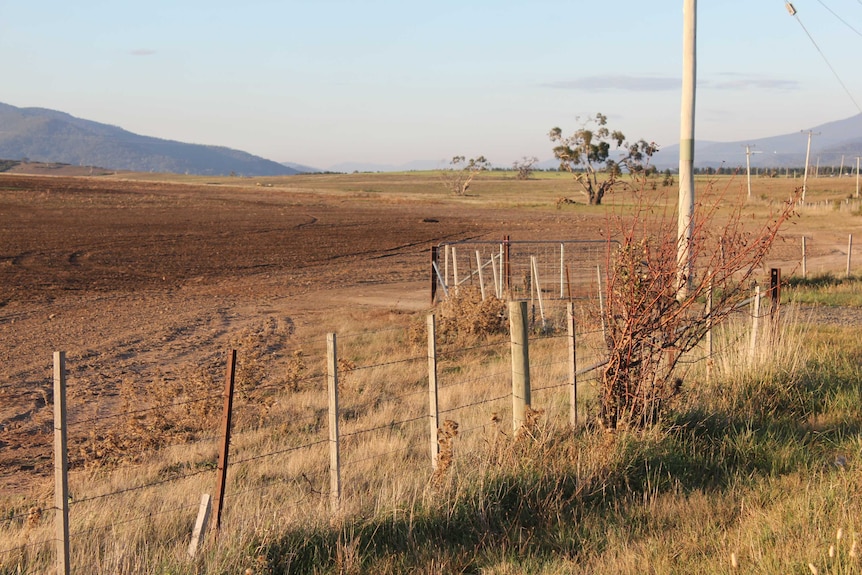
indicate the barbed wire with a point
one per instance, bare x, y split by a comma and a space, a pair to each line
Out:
114, 468
444, 354
27, 546
505, 374
377, 456
385, 364
592, 367
269, 484
279, 452
472, 429
112, 524
408, 394
350, 335
12, 518
381, 427
534, 366
474, 404
146, 410
728, 346
564, 384
590, 332
141, 487
282, 385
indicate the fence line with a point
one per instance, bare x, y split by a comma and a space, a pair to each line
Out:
338, 439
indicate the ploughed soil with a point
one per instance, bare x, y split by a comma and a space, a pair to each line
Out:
130, 278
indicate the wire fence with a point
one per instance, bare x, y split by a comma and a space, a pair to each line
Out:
384, 416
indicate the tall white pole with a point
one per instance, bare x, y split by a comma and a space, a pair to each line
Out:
748, 167
857, 176
805, 175
686, 145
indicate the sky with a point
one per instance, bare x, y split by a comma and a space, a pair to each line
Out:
321, 82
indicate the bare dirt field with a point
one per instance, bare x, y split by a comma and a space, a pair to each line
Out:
130, 278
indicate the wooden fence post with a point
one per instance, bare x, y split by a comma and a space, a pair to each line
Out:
201, 522
334, 448
446, 267
455, 280
573, 362
849, 253
61, 465
481, 275
230, 378
601, 303
755, 324
518, 322
433, 403
804, 260
709, 324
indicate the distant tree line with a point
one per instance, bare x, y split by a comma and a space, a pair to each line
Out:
6, 165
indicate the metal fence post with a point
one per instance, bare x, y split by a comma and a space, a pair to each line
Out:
755, 324
230, 378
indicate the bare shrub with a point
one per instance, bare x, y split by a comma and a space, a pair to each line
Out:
654, 314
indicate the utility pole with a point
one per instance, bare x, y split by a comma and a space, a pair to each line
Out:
857, 176
841, 171
686, 146
807, 157
748, 153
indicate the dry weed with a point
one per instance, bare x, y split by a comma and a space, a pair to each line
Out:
466, 314
446, 440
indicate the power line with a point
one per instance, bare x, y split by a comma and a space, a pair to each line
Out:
843, 21
793, 13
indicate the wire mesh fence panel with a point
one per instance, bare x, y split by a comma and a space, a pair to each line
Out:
547, 270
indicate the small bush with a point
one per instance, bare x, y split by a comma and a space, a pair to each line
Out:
466, 314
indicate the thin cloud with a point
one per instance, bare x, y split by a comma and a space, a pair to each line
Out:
744, 81
142, 52
620, 84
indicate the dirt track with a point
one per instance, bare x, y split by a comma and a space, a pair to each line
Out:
131, 278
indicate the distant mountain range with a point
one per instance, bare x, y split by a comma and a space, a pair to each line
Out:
829, 142
42, 135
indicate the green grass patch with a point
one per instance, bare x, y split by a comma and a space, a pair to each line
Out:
824, 289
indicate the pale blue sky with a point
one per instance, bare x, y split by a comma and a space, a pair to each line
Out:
327, 81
